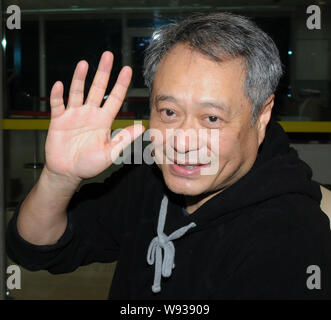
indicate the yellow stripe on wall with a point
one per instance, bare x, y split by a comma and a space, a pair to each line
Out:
42, 124
306, 126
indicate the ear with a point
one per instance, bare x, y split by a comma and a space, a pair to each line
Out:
264, 118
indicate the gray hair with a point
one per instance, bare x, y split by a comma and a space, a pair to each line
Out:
222, 36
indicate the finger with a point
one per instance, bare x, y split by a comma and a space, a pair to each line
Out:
100, 81
123, 139
76, 92
56, 100
117, 95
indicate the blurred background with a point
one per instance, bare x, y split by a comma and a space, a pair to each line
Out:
56, 34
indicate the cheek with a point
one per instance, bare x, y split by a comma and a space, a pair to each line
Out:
226, 147
152, 121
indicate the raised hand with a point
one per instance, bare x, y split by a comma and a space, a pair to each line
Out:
79, 143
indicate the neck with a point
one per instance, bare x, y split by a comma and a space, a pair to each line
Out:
193, 203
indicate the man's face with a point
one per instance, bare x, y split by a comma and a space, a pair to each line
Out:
193, 92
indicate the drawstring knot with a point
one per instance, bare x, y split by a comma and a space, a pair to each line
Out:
163, 242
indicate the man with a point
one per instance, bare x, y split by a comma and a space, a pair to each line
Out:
250, 229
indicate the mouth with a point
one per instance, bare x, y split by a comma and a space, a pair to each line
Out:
186, 169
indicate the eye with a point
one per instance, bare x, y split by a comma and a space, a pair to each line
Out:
167, 114
212, 121
213, 118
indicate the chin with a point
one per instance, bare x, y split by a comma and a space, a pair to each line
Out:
183, 190
185, 186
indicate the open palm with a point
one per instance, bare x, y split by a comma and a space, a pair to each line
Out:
79, 143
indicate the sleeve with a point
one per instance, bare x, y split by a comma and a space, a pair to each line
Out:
93, 232
280, 261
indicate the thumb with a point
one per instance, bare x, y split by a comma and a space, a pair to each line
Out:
125, 137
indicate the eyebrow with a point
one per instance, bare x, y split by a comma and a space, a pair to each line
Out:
160, 98
218, 105
205, 104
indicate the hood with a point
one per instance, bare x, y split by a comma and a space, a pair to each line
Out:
276, 171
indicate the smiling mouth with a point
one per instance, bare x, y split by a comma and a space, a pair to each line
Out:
189, 166
186, 170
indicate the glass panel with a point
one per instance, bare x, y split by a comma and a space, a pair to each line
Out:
139, 45
24, 159
85, 30
22, 68
72, 40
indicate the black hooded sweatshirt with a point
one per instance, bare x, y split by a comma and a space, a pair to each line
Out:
264, 237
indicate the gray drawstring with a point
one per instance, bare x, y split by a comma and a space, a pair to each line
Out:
162, 241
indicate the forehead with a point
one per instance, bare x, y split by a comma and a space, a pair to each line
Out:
185, 70
192, 78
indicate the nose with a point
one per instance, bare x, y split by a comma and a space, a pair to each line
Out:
184, 139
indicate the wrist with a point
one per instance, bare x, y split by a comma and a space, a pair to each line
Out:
62, 181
